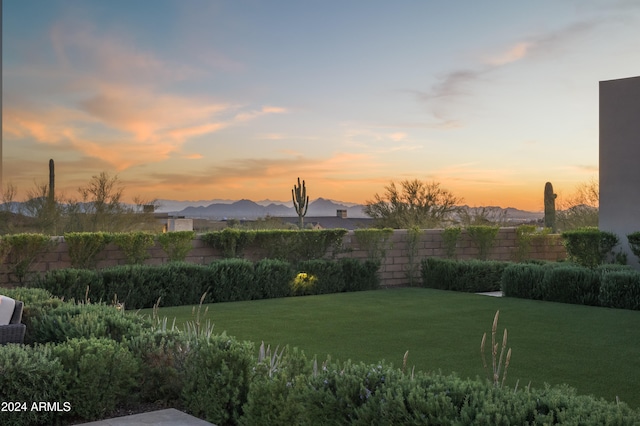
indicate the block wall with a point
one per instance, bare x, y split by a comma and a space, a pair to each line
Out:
395, 270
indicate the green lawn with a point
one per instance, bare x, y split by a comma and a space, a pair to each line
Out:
595, 350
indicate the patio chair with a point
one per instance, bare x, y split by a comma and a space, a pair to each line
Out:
11, 329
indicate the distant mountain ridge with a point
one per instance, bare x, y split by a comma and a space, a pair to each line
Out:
247, 209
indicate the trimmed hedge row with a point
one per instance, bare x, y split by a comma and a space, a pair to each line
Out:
614, 286
178, 283
472, 276
608, 285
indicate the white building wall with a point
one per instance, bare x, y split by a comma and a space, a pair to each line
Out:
620, 159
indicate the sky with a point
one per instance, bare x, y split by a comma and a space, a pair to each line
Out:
206, 99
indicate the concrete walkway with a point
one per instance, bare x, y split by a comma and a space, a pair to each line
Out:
168, 417
492, 293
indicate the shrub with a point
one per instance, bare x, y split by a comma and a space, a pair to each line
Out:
216, 378
473, 276
358, 275
233, 280
634, 243
327, 277
230, 241
99, 374
176, 244
25, 248
620, 289
450, 237
272, 278
571, 284
374, 241
69, 321
301, 245
589, 247
30, 374
483, 236
162, 355
522, 280
78, 284
83, 247
134, 245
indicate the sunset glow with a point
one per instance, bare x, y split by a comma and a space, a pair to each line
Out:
199, 99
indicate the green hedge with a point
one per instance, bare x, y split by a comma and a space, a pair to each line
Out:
179, 283
620, 289
473, 276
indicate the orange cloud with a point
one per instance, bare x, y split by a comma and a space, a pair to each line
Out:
512, 54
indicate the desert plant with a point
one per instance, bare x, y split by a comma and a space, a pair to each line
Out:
176, 244
497, 370
300, 201
230, 241
483, 237
549, 207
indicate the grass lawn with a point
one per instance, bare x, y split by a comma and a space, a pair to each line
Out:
595, 350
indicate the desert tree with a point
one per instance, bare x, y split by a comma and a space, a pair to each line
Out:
580, 209
413, 204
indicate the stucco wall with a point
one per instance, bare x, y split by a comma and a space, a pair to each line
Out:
620, 159
394, 270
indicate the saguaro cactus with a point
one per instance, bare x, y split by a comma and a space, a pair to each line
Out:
549, 207
52, 182
300, 201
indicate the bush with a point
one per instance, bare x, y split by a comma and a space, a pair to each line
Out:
483, 236
522, 280
620, 289
359, 275
589, 247
78, 284
162, 355
233, 280
30, 374
83, 247
634, 243
176, 244
297, 246
99, 374
571, 284
69, 321
472, 276
134, 245
273, 277
327, 277
24, 249
230, 241
216, 378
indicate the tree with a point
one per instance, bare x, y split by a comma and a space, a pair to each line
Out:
581, 208
415, 203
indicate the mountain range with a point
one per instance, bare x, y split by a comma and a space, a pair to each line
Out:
321, 207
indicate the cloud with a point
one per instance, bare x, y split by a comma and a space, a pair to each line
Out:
110, 100
453, 86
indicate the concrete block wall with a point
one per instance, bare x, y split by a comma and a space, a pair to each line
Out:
395, 270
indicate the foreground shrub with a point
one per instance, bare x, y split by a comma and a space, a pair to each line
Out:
324, 277
28, 375
99, 375
473, 276
216, 378
70, 283
69, 321
620, 290
359, 275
